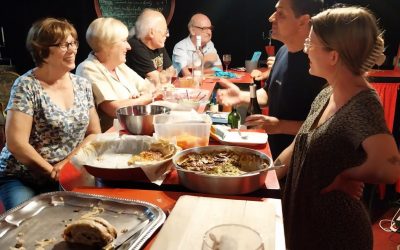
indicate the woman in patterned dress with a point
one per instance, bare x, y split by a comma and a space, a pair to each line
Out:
49, 115
343, 141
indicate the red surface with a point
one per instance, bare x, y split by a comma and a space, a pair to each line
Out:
388, 94
383, 73
385, 240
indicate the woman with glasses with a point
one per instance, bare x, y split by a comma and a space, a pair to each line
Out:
50, 114
343, 141
115, 85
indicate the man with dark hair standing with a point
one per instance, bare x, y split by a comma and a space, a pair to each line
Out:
290, 89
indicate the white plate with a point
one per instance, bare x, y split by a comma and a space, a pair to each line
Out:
233, 138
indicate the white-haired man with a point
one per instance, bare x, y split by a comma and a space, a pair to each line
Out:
148, 56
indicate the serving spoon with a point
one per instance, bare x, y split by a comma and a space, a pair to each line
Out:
244, 137
262, 170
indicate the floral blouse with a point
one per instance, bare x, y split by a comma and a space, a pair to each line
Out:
55, 131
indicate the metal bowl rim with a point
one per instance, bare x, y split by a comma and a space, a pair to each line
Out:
217, 147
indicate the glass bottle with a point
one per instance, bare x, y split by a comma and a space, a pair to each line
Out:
254, 107
198, 63
234, 118
213, 103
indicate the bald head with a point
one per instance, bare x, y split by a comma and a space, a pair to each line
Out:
148, 19
200, 25
198, 19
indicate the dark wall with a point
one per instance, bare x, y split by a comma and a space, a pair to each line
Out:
239, 24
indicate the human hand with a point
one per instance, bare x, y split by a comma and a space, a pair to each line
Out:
256, 74
352, 188
269, 123
146, 97
229, 95
209, 60
55, 172
270, 61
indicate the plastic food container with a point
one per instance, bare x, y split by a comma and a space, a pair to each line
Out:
186, 129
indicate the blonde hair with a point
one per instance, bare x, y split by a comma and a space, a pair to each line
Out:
104, 31
46, 33
352, 32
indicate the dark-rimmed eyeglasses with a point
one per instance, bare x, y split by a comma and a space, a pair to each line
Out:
67, 45
211, 28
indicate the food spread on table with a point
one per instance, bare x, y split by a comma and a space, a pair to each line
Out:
222, 163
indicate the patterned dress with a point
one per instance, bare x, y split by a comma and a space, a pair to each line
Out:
333, 220
55, 132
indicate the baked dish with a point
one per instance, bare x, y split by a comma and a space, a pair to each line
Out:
222, 163
158, 151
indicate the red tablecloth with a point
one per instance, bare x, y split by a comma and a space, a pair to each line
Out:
388, 95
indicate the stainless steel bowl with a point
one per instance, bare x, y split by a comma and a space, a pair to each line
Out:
227, 185
138, 119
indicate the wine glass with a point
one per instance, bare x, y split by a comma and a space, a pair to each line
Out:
232, 236
227, 60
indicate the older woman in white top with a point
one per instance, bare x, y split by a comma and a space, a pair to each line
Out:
114, 84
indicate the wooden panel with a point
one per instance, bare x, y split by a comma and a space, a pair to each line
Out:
193, 216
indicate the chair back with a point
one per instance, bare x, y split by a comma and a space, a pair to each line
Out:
7, 79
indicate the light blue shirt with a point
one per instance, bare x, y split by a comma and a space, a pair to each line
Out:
183, 51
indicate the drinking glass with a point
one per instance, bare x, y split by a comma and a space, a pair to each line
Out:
227, 60
232, 236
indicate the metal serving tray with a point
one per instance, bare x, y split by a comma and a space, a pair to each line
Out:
40, 221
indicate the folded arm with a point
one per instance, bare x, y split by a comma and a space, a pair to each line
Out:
382, 164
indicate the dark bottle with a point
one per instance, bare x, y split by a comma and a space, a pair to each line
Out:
234, 118
254, 107
213, 107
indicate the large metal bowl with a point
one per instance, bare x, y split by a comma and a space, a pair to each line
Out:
138, 119
227, 185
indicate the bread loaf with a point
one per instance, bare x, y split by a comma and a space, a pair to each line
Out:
92, 231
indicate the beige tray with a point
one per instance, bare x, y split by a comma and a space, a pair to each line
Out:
192, 216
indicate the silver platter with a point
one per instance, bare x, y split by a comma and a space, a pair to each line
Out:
43, 219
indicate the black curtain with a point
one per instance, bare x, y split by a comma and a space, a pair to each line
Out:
238, 24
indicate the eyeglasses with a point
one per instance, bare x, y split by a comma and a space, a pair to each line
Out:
166, 32
67, 45
211, 28
308, 45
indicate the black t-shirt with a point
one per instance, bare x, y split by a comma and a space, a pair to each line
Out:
291, 90
144, 60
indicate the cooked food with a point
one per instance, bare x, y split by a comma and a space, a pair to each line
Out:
91, 231
186, 141
222, 163
158, 151
145, 156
